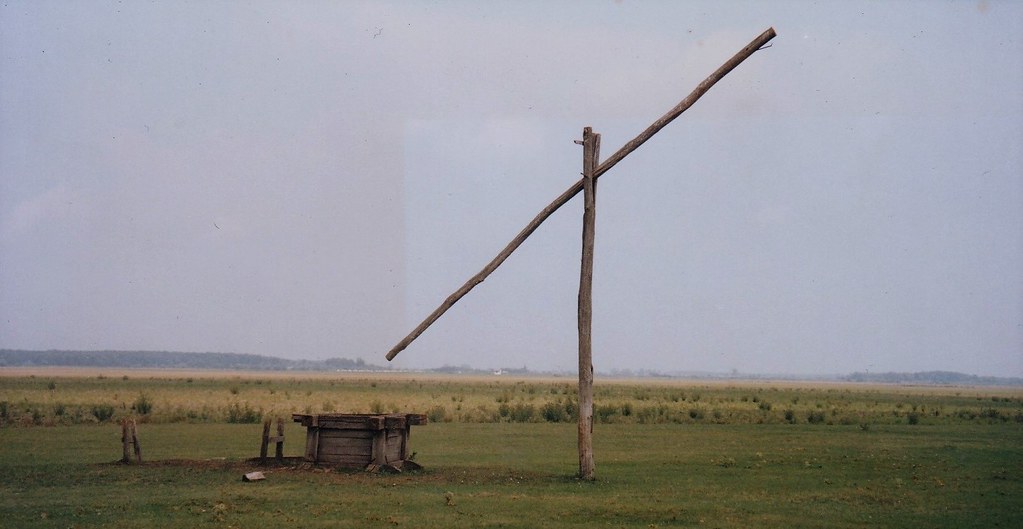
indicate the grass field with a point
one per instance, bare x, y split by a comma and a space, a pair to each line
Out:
865, 462
48, 397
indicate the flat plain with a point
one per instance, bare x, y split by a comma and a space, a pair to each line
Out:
501, 452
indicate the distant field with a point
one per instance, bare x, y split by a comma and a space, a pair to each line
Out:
501, 453
62, 396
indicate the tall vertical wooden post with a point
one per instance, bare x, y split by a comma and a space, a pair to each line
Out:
591, 156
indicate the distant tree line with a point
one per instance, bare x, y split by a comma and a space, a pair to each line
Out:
175, 360
251, 362
949, 378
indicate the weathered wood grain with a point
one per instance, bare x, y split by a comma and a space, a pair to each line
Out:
358, 440
591, 157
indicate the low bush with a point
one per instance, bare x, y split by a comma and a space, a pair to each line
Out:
239, 414
554, 412
522, 412
103, 412
436, 414
142, 405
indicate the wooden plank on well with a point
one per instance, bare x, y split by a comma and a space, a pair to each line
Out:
394, 421
340, 445
415, 419
345, 434
365, 451
404, 441
380, 448
394, 453
353, 422
312, 442
346, 461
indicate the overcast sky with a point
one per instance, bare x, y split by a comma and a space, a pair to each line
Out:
311, 179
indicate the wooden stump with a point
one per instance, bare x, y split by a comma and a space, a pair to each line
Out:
130, 441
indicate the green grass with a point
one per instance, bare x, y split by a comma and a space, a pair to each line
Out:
501, 453
521, 475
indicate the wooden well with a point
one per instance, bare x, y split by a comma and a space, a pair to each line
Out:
360, 440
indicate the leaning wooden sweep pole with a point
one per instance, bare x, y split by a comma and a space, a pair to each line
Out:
591, 158
613, 160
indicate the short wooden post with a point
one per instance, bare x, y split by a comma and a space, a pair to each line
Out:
279, 453
265, 442
135, 441
591, 158
130, 441
125, 441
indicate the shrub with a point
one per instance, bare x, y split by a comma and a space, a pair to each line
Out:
554, 412
790, 416
436, 414
966, 415
238, 414
913, 418
992, 414
604, 412
571, 409
522, 412
142, 405
815, 417
103, 412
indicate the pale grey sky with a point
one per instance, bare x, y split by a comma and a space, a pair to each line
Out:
310, 179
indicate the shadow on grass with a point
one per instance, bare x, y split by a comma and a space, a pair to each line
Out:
444, 475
